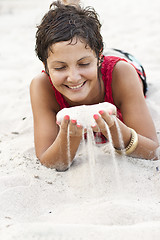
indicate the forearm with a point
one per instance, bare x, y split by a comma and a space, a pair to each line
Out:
61, 153
146, 148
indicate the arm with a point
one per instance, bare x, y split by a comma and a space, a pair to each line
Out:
128, 97
50, 139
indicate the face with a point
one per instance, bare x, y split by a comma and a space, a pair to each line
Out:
73, 71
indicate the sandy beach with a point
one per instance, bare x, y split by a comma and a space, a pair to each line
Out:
119, 197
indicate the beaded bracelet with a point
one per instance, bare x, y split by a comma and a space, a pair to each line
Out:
131, 146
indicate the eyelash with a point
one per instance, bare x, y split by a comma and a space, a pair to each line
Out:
84, 64
61, 68
81, 65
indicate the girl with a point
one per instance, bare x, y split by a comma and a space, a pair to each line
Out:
69, 43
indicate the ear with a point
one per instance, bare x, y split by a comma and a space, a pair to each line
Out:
100, 60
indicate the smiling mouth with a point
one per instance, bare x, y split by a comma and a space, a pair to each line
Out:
76, 87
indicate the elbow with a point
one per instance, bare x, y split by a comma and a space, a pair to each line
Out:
60, 166
157, 153
153, 151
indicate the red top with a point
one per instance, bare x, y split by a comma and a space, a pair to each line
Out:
106, 70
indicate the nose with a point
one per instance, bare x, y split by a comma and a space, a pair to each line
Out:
74, 75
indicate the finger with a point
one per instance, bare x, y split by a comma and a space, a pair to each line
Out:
72, 127
95, 128
75, 129
112, 111
107, 117
100, 122
73, 122
65, 122
58, 123
79, 130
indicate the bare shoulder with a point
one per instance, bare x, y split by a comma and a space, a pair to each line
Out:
42, 93
129, 98
126, 83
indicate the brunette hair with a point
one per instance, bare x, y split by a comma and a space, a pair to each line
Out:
63, 23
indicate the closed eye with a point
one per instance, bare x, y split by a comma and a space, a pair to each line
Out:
60, 68
83, 64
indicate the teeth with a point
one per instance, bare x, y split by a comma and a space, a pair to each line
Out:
76, 86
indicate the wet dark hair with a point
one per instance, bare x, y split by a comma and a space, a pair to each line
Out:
63, 23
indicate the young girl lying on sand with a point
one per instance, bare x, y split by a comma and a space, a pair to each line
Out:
69, 43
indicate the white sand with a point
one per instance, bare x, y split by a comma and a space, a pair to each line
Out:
84, 114
39, 203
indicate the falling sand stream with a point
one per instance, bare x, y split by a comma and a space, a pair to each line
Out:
89, 149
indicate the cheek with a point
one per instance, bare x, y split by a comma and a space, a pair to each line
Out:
57, 78
92, 73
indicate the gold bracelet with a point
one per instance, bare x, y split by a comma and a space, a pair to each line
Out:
132, 145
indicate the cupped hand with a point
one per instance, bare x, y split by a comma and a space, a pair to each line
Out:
101, 121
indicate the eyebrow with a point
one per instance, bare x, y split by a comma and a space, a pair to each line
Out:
58, 62
84, 58
77, 61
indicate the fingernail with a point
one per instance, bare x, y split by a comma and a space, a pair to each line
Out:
66, 117
101, 111
73, 121
96, 116
78, 126
110, 112
93, 126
